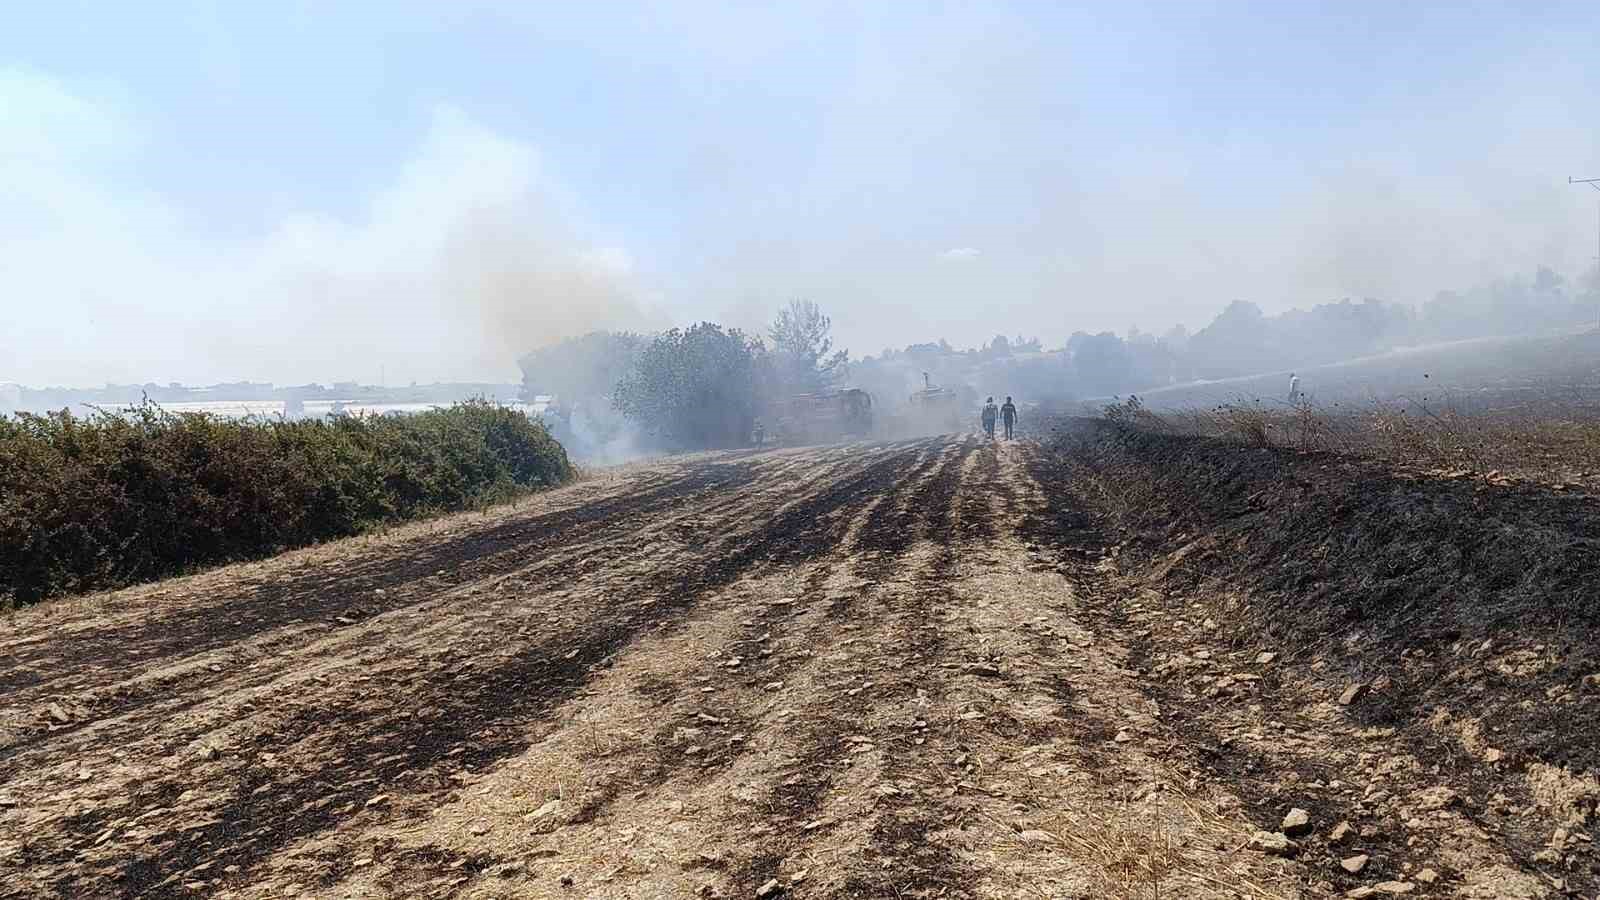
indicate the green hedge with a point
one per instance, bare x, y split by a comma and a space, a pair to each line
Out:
97, 502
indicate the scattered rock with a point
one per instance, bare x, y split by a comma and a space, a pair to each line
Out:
1427, 876
478, 828
1394, 887
768, 889
1296, 823
985, 670
1354, 864
1352, 693
1340, 833
1493, 755
1123, 736
774, 685
1037, 836
1437, 798
1272, 842
1265, 658
378, 800
549, 808
58, 713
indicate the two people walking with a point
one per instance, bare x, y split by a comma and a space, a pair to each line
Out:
1006, 413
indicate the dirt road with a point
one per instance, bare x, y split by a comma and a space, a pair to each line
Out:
863, 671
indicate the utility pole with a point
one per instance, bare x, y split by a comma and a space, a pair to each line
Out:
1594, 183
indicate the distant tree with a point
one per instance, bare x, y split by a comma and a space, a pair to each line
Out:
697, 387
1547, 281
1101, 363
1237, 342
802, 350
1000, 346
580, 369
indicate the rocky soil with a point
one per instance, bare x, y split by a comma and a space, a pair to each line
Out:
929, 668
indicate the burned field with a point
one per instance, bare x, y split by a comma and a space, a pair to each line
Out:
1432, 658
928, 668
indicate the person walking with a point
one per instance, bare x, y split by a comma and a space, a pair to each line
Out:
1294, 388
1008, 414
990, 413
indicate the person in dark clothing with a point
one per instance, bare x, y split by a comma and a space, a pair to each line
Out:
1008, 414
989, 415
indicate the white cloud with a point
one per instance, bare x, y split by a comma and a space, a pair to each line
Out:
961, 254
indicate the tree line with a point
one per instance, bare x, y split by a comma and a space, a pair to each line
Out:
698, 387
704, 386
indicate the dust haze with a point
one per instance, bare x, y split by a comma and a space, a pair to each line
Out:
954, 174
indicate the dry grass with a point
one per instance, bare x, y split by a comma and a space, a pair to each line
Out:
1548, 439
1140, 856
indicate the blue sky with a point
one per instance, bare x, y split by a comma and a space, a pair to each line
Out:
314, 190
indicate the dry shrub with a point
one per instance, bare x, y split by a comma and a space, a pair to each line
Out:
1539, 440
116, 498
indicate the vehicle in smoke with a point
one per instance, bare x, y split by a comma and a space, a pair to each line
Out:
936, 409
823, 416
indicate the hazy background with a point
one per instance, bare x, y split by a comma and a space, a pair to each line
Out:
296, 192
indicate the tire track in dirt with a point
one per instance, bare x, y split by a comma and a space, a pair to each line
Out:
799, 728
814, 537
840, 661
584, 552
326, 593
825, 727
904, 853
469, 702
658, 686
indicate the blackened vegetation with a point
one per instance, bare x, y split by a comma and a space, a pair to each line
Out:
1442, 595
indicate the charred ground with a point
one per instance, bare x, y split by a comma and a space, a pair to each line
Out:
1451, 613
937, 667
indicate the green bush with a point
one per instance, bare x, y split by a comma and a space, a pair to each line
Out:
111, 499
